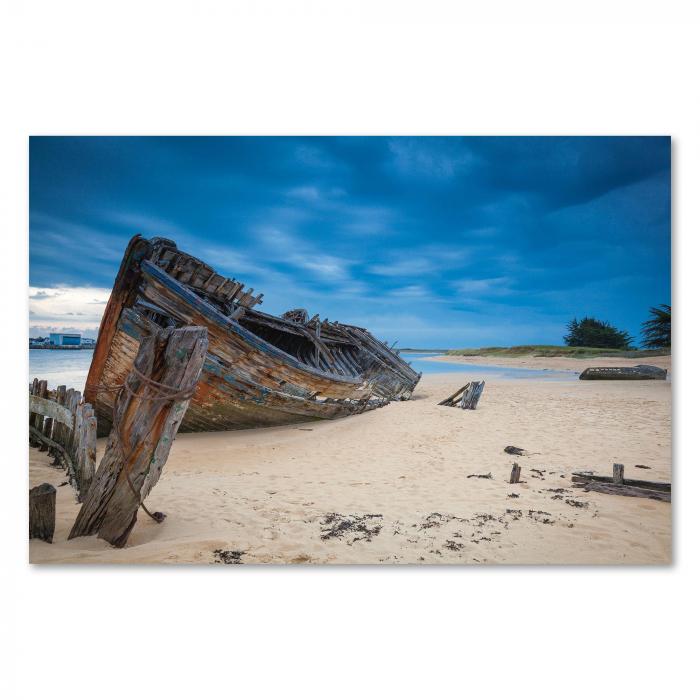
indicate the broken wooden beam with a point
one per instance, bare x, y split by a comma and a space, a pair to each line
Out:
147, 414
450, 399
627, 490
42, 512
466, 397
582, 478
619, 486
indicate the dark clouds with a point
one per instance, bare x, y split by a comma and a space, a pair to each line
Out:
456, 241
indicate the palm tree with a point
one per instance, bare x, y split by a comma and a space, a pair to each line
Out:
657, 330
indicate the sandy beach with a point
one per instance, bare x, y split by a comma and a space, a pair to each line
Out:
408, 484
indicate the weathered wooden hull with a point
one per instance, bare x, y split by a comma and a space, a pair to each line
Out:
248, 380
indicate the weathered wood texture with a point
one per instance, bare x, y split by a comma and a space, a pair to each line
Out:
619, 486
618, 473
42, 512
626, 490
33, 391
467, 397
68, 430
147, 417
515, 473
58, 428
51, 409
261, 370
582, 478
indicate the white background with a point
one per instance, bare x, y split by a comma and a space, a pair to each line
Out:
351, 68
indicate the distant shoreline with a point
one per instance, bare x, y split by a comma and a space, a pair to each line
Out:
63, 347
555, 363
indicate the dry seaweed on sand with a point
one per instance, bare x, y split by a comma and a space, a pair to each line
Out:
358, 527
541, 516
576, 504
438, 519
480, 476
228, 556
453, 546
511, 450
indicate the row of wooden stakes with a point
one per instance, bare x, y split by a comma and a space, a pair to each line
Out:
145, 421
61, 423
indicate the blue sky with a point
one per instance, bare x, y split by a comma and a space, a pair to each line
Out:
440, 242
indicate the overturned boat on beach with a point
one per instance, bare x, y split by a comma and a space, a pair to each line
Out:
636, 372
260, 370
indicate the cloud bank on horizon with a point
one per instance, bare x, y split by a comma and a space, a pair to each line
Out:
427, 241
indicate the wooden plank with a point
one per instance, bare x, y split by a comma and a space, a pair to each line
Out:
58, 427
476, 395
72, 441
144, 426
42, 512
449, 399
53, 410
627, 490
87, 450
581, 478
124, 293
466, 395
33, 391
39, 420
66, 433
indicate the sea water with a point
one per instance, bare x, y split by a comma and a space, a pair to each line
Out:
420, 363
70, 367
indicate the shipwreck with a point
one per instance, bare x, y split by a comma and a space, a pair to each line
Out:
260, 370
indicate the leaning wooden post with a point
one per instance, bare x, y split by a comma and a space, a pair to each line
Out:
451, 398
147, 413
515, 473
618, 473
42, 512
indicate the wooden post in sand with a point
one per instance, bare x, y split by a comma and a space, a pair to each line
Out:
42, 392
618, 473
42, 512
58, 428
33, 391
147, 413
87, 449
515, 473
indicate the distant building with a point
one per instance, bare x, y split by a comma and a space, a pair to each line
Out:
64, 339
88, 341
